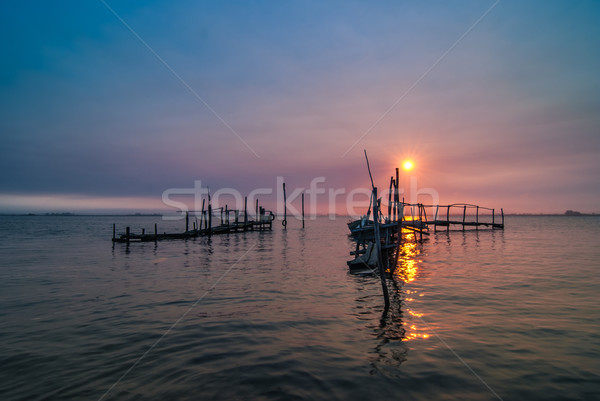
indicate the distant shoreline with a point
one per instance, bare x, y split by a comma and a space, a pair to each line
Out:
70, 214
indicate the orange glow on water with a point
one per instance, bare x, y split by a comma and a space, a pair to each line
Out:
414, 333
407, 263
410, 312
407, 270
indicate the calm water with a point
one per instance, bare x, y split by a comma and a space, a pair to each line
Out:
486, 315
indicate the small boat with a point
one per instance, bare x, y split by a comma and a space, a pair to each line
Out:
360, 223
366, 258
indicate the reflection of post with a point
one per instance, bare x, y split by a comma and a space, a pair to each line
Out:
377, 244
284, 222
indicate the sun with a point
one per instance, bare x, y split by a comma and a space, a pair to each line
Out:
407, 165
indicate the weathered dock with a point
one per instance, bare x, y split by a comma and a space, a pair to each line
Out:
492, 220
378, 241
455, 216
229, 221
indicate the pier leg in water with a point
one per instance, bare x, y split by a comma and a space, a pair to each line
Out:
303, 210
245, 213
386, 296
209, 219
284, 222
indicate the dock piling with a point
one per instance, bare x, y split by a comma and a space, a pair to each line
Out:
209, 219
284, 221
384, 288
302, 209
245, 213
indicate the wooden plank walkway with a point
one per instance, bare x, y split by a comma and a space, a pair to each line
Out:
129, 237
264, 221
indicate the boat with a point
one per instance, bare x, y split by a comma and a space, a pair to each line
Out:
365, 258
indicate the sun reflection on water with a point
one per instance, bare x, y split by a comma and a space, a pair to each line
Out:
407, 272
407, 259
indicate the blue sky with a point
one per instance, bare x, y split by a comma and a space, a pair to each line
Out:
508, 115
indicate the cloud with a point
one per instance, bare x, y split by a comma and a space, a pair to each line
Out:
87, 109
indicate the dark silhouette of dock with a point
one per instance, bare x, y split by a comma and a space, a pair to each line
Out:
229, 221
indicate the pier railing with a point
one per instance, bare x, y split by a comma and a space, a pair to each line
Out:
462, 215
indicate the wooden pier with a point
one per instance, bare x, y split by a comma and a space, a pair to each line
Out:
456, 216
229, 221
378, 241
404, 216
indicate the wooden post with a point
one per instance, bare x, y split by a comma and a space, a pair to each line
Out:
114, 231
284, 222
209, 219
421, 220
396, 194
227, 214
437, 209
448, 218
155, 231
464, 216
502, 211
377, 244
302, 209
202, 216
397, 218
390, 199
245, 212
477, 218
127, 234
143, 231
256, 209
187, 221
493, 217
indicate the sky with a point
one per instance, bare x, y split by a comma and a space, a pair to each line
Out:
108, 105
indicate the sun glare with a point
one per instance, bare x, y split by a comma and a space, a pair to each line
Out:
407, 165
